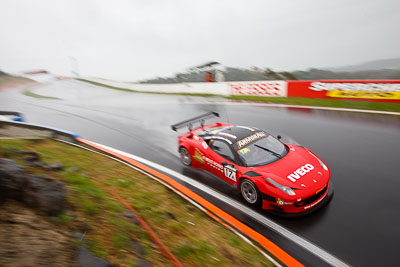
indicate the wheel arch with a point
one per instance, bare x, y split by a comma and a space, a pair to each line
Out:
184, 146
240, 180
258, 182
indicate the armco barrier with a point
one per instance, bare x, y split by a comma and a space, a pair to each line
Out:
22, 129
372, 90
12, 116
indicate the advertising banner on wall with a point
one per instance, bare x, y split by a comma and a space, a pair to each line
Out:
259, 88
373, 90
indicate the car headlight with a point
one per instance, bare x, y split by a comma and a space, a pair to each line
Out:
320, 162
285, 189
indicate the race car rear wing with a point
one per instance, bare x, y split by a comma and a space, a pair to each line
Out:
190, 122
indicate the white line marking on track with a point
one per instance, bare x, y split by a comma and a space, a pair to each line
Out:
307, 245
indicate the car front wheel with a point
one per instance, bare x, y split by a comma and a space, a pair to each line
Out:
185, 156
250, 192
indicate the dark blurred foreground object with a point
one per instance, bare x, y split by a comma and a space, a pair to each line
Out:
41, 192
28, 239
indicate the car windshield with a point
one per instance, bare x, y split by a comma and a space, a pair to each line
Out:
262, 152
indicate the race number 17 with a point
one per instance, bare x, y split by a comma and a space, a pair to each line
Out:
230, 173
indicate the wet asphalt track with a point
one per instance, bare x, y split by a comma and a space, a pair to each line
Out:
361, 225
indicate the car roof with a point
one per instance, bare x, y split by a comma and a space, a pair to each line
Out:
231, 134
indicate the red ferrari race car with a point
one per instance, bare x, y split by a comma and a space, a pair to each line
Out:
285, 179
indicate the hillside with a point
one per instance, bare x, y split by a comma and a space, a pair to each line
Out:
7, 80
257, 74
382, 64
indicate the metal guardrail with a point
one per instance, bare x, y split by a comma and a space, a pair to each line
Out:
22, 129
15, 116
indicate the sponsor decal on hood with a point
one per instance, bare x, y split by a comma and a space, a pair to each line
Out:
303, 170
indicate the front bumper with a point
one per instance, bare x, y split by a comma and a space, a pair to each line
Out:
280, 211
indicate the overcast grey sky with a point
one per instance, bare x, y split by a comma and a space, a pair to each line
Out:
130, 40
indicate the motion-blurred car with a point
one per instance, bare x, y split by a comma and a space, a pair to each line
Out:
284, 179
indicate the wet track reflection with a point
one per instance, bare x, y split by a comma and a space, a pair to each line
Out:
359, 225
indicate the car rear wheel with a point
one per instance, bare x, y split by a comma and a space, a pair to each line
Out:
185, 156
250, 192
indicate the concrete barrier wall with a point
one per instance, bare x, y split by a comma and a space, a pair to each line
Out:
373, 90
261, 88
194, 88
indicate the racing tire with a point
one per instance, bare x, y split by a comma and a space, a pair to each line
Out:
250, 192
185, 156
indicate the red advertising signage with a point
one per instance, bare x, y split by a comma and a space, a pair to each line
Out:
366, 90
259, 88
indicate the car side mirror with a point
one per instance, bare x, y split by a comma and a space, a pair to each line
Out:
224, 163
279, 137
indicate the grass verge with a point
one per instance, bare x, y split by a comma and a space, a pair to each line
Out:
31, 94
335, 103
107, 86
193, 237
